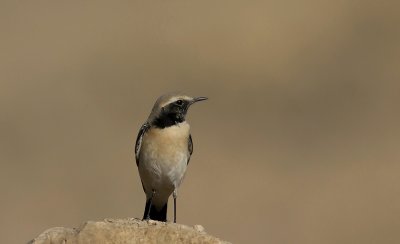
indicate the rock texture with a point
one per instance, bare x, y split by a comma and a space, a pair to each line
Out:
120, 231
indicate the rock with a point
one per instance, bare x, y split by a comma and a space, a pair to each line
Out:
126, 231
199, 228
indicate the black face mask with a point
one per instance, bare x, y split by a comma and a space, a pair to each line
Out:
172, 114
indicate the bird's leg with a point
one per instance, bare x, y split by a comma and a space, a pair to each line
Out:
175, 195
150, 202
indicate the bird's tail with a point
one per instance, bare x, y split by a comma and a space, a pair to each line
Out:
155, 214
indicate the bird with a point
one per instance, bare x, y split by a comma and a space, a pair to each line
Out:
163, 149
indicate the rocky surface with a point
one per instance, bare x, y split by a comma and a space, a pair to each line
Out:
126, 231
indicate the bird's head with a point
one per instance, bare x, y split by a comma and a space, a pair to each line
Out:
171, 109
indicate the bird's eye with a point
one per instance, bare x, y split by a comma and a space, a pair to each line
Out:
179, 102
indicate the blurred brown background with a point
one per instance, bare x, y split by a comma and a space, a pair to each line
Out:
298, 142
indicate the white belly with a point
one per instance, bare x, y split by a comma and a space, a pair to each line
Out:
163, 161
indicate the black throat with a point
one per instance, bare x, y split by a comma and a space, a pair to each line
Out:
167, 120
171, 114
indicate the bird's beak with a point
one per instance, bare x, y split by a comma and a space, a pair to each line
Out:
198, 99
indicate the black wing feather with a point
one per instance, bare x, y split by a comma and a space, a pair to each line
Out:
190, 147
139, 139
